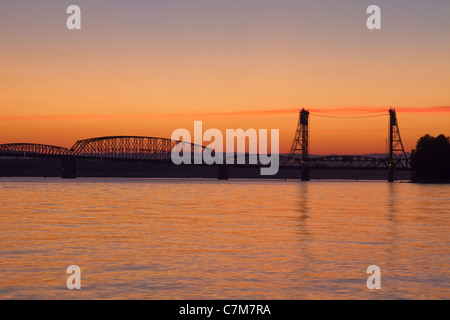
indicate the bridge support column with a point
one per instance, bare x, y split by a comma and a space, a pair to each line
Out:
391, 175
304, 175
68, 168
222, 172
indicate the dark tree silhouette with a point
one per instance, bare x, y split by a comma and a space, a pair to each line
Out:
430, 160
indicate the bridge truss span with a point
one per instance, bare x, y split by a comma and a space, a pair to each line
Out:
336, 162
348, 162
31, 150
131, 148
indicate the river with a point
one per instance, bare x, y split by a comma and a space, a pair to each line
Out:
236, 239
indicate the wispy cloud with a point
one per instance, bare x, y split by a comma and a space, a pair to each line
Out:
239, 113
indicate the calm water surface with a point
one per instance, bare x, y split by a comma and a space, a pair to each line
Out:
237, 239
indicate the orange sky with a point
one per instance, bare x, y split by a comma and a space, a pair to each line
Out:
148, 69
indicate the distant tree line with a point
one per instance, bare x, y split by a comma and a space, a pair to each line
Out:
430, 160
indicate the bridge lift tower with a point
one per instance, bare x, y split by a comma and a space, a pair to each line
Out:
299, 148
397, 155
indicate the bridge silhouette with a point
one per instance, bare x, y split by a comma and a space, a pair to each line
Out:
153, 149
395, 160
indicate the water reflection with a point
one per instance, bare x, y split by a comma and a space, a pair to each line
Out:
303, 254
303, 206
202, 239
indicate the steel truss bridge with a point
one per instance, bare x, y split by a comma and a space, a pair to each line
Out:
345, 162
153, 149
104, 148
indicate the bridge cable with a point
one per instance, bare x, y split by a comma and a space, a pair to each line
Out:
349, 117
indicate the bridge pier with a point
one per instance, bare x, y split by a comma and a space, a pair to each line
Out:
391, 175
68, 168
304, 175
222, 172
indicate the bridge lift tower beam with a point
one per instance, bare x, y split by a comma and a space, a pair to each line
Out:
300, 144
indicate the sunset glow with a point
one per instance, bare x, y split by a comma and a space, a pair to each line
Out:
149, 68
